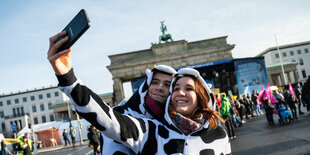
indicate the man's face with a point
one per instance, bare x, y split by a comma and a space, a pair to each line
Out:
159, 87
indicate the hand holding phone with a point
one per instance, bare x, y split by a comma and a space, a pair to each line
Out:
75, 29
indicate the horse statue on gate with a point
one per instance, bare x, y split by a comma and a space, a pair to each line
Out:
164, 36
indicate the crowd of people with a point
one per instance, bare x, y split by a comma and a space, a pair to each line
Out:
286, 104
235, 108
66, 134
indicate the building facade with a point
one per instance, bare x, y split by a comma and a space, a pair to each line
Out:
63, 110
31, 106
127, 66
295, 61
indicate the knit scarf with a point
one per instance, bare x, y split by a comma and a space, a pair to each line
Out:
188, 125
155, 107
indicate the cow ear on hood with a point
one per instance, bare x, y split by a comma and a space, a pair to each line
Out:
149, 76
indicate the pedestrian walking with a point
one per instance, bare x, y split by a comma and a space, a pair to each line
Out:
218, 103
227, 112
26, 146
247, 105
298, 94
65, 136
279, 100
255, 104
4, 149
290, 102
236, 121
306, 94
240, 107
72, 134
268, 106
93, 139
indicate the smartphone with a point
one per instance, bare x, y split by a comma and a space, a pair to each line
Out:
75, 29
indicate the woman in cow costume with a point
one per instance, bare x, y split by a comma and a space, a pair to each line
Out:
190, 124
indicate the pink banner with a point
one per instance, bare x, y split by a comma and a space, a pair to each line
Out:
273, 101
260, 95
291, 90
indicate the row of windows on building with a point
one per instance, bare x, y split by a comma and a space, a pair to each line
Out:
35, 120
284, 54
301, 61
19, 111
32, 98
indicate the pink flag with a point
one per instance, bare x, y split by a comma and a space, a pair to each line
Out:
260, 95
270, 94
291, 91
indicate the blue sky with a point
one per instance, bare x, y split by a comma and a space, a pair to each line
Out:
123, 26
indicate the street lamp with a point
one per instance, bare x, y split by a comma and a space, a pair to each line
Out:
79, 122
275, 36
30, 125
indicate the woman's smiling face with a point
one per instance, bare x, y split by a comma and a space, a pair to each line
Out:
184, 96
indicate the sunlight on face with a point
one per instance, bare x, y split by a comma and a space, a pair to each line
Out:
159, 87
184, 96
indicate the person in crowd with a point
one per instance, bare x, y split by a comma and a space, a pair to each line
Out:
306, 93
254, 101
234, 103
290, 100
65, 136
139, 134
227, 112
268, 106
240, 107
72, 134
23, 141
247, 105
298, 95
4, 150
218, 103
251, 106
279, 99
93, 138
26, 146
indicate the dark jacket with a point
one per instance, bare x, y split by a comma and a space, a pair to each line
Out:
289, 100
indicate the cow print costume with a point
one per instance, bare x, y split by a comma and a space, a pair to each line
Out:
142, 135
135, 107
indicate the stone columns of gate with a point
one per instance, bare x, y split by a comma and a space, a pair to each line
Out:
118, 90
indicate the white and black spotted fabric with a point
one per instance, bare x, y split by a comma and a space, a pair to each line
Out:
142, 135
135, 107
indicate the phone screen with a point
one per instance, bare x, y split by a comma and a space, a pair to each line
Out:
75, 29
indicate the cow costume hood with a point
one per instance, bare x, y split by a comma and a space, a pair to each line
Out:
136, 105
193, 73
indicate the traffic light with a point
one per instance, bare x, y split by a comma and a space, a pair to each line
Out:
29, 125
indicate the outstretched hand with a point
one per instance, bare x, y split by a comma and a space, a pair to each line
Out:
60, 61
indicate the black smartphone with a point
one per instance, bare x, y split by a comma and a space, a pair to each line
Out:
75, 29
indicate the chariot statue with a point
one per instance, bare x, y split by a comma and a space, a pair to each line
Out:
165, 37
